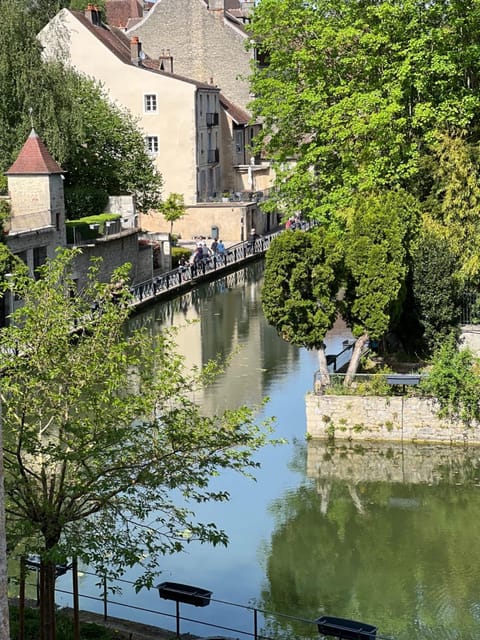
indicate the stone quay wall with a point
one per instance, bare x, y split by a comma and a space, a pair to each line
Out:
393, 418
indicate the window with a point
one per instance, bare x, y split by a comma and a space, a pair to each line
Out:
151, 144
150, 103
239, 141
39, 258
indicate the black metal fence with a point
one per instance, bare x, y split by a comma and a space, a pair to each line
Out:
259, 624
470, 307
186, 276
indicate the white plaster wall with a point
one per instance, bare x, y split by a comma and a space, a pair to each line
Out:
174, 123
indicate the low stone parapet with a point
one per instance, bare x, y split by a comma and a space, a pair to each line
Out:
394, 418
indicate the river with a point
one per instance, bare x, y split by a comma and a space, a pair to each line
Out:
373, 532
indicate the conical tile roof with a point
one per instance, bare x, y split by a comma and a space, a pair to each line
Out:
34, 158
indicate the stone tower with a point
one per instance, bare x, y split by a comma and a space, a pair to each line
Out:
35, 185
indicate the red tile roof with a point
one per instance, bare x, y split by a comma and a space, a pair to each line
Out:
34, 158
119, 11
119, 44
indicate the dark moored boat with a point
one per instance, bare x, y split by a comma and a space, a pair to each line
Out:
184, 593
345, 629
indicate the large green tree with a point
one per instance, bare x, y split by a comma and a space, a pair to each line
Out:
4, 631
354, 90
299, 296
435, 285
101, 434
378, 230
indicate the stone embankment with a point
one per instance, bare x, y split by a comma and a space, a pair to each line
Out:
393, 418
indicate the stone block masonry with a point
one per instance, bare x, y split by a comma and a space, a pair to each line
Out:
393, 418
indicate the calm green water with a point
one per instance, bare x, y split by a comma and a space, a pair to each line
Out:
378, 533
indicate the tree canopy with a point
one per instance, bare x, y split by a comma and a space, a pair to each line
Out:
356, 91
173, 208
365, 105
299, 296
101, 434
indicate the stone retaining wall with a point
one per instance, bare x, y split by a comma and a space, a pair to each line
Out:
395, 418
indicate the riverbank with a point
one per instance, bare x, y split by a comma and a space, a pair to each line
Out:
120, 628
127, 630
384, 418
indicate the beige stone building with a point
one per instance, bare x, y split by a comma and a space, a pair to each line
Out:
206, 39
197, 138
167, 106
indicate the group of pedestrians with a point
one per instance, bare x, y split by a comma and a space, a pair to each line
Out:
294, 222
203, 253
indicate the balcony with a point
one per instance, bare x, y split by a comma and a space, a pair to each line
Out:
212, 119
213, 156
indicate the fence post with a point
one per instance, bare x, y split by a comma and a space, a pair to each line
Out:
255, 624
105, 601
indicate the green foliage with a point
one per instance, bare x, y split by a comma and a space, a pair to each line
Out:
3, 185
84, 201
435, 286
83, 227
173, 208
179, 252
454, 202
64, 626
302, 275
378, 228
4, 213
453, 380
108, 422
354, 91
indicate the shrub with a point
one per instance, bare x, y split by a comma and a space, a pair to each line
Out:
83, 230
177, 253
3, 185
84, 201
453, 380
64, 626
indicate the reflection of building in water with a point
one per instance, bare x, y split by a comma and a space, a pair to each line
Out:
407, 464
229, 324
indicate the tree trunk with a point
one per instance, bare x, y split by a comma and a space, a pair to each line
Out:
4, 622
47, 600
323, 368
355, 359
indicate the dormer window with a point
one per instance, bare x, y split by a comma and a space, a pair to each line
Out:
150, 103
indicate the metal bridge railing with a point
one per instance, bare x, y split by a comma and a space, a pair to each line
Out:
184, 276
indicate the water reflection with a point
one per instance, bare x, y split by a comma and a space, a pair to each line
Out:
380, 533
223, 319
375, 532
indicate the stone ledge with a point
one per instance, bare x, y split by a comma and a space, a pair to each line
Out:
392, 418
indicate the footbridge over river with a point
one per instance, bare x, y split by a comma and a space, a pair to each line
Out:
182, 279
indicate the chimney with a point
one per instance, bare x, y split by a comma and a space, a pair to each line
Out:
92, 14
135, 50
216, 5
166, 61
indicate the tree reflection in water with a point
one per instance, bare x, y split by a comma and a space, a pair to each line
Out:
380, 533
